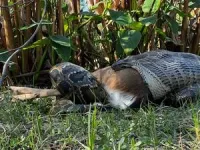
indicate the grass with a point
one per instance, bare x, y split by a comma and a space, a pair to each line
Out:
33, 125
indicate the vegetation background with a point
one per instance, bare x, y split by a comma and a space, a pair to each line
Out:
93, 35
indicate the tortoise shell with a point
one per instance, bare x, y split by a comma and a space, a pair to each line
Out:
77, 83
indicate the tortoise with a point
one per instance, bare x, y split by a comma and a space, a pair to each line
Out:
78, 84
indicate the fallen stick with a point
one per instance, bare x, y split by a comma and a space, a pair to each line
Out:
25, 93
23, 97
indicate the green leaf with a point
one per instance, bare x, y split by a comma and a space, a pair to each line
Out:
72, 17
62, 51
148, 4
148, 20
177, 10
129, 40
173, 24
61, 40
120, 17
194, 4
27, 27
136, 26
39, 43
4, 55
62, 46
161, 33
65, 7
44, 22
119, 50
66, 25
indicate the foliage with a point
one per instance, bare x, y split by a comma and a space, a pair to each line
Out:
109, 30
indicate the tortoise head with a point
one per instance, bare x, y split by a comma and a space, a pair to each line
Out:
68, 78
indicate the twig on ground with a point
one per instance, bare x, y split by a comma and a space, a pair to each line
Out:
26, 93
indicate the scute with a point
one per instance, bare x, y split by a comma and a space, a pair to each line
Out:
77, 83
